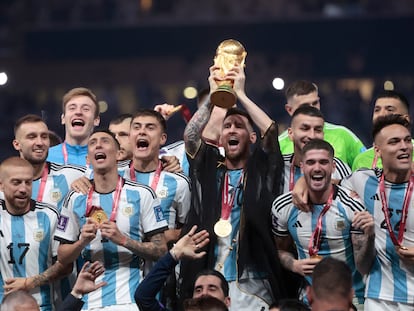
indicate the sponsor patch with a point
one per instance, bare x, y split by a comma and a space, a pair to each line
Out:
159, 216
62, 223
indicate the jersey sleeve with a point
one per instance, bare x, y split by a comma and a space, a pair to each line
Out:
152, 216
280, 214
68, 227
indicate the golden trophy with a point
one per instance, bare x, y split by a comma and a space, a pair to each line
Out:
229, 53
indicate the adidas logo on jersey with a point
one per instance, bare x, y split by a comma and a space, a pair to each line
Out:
375, 197
297, 224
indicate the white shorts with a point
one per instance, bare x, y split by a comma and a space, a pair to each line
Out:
384, 305
240, 300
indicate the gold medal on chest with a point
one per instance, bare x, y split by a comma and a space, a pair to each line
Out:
222, 228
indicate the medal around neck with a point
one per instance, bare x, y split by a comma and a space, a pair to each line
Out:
98, 215
229, 53
222, 228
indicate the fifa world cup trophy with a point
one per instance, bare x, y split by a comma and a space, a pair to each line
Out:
229, 53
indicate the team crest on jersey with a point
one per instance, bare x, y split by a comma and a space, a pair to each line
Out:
340, 224
159, 216
55, 195
128, 211
162, 192
38, 234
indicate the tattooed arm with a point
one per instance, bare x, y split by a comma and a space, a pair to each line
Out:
363, 243
207, 121
54, 272
152, 250
299, 266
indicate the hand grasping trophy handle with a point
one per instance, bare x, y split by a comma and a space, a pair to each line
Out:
228, 54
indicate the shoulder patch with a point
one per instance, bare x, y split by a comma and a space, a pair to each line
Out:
62, 223
159, 216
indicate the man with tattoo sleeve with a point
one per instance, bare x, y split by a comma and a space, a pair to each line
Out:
118, 222
337, 226
27, 229
231, 198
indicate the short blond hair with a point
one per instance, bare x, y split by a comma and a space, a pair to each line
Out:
80, 91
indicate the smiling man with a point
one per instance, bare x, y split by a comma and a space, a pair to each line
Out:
117, 222
232, 198
307, 124
337, 225
80, 114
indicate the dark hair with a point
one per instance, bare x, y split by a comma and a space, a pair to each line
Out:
105, 130
331, 277
205, 303
29, 118
120, 118
300, 87
234, 111
393, 94
318, 144
151, 113
388, 120
308, 110
223, 281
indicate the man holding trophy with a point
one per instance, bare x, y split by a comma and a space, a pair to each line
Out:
232, 196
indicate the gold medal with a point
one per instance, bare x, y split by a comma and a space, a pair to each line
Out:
222, 228
99, 216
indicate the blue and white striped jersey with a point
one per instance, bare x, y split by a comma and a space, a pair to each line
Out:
28, 247
172, 189
226, 249
336, 241
139, 216
390, 278
177, 149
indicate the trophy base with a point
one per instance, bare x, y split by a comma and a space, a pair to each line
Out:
223, 97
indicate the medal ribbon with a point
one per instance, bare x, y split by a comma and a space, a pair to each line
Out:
315, 240
374, 161
406, 204
226, 201
65, 153
115, 202
43, 181
292, 174
156, 178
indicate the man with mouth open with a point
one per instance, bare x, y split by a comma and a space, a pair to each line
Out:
338, 225
306, 124
231, 198
80, 114
387, 195
147, 135
118, 222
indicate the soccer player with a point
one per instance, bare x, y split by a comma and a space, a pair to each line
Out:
80, 114
147, 135
345, 143
387, 195
387, 102
337, 225
306, 124
232, 198
27, 230
120, 127
119, 223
